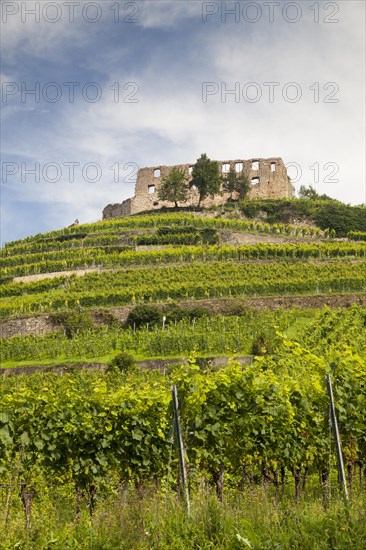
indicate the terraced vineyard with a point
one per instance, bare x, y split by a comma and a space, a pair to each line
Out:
169, 286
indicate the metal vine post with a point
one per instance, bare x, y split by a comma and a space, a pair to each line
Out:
180, 447
337, 439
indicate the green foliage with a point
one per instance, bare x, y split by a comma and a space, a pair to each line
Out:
256, 422
357, 235
209, 235
312, 194
174, 187
175, 313
263, 344
158, 520
111, 236
106, 318
62, 238
237, 183
225, 278
325, 213
123, 362
332, 329
143, 315
186, 235
206, 177
73, 322
85, 425
186, 330
199, 311
341, 218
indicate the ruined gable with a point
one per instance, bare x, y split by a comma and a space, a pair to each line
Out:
268, 177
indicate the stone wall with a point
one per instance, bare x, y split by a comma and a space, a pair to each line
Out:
38, 326
42, 325
268, 177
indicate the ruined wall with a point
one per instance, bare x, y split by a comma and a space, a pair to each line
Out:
116, 210
268, 178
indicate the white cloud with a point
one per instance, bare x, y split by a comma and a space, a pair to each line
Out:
171, 124
25, 33
167, 13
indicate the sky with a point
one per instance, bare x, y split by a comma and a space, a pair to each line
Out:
93, 90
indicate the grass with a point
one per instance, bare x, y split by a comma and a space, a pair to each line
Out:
158, 520
105, 359
58, 361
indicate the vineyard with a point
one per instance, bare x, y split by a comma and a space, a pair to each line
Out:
90, 459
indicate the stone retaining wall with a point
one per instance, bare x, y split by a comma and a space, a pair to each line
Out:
42, 324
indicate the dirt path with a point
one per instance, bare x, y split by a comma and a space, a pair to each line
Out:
41, 276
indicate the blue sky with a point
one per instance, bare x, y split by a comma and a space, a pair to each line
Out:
311, 54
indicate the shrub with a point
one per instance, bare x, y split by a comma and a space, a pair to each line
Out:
250, 208
72, 322
124, 362
143, 315
105, 317
209, 235
176, 313
199, 311
236, 309
263, 344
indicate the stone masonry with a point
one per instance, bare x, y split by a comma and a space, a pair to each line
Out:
268, 178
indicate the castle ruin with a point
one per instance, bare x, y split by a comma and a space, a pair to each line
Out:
268, 178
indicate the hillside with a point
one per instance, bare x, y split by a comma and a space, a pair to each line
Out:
326, 213
93, 275
244, 314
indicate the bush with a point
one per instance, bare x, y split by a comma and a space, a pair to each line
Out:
176, 313
236, 309
250, 208
124, 362
72, 322
209, 235
105, 317
263, 344
143, 315
199, 311
325, 213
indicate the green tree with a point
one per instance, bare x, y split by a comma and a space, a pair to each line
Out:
174, 187
206, 177
308, 192
143, 315
237, 183
311, 193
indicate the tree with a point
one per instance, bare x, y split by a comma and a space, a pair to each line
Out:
308, 192
237, 183
143, 315
311, 193
174, 187
206, 177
